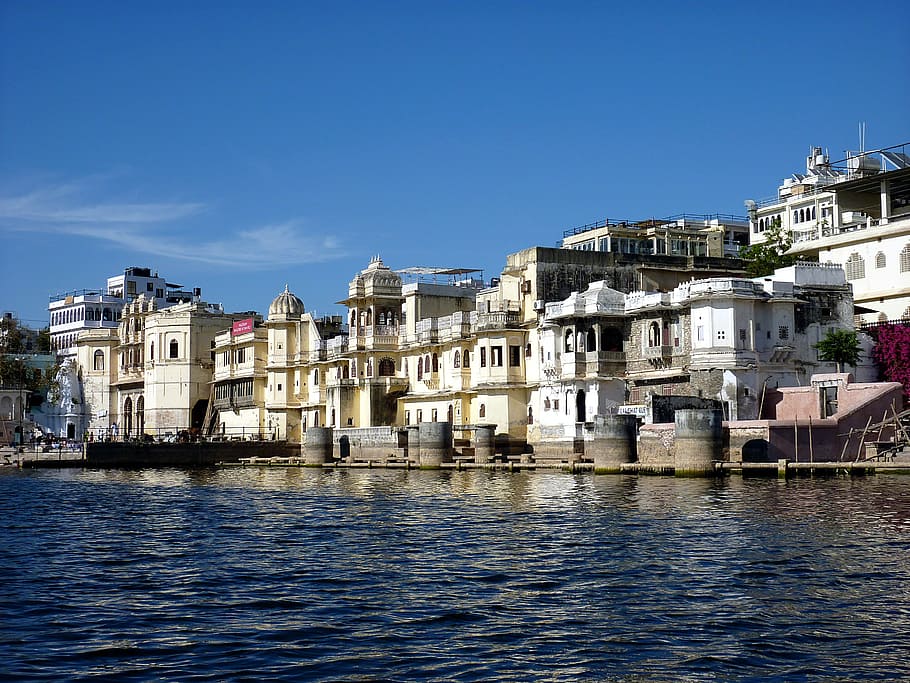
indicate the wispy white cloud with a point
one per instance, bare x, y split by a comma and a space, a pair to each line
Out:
162, 229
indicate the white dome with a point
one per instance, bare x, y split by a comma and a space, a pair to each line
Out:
286, 304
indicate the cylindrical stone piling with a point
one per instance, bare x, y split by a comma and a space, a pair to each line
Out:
699, 441
435, 443
484, 443
318, 447
614, 442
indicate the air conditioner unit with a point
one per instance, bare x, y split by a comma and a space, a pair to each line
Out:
539, 305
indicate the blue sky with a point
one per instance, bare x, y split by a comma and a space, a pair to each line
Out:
239, 146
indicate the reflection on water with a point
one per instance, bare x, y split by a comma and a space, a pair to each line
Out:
303, 574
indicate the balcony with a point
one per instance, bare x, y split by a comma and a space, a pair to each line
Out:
497, 320
663, 351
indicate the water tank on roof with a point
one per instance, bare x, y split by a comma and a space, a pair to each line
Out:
863, 163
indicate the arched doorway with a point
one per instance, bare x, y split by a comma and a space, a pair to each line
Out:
127, 417
198, 414
580, 405
140, 415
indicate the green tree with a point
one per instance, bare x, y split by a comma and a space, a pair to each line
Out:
10, 335
765, 257
840, 347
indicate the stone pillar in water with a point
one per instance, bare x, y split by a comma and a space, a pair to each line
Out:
614, 442
435, 443
699, 436
484, 443
318, 447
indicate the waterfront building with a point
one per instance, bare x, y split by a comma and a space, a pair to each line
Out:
583, 363
732, 339
295, 395
856, 213
237, 408
154, 375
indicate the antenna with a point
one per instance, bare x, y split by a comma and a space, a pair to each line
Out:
862, 137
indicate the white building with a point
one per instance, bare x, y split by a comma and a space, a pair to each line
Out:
856, 213
84, 309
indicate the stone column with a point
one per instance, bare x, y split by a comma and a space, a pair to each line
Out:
614, 442
435, 443
318, 447
699, 437
484, 443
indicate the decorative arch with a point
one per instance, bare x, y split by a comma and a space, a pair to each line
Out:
466, 359
456, 360
98, 360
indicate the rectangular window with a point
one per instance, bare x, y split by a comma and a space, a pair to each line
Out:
419, 416
130, 286
496, 356
159, 293
279, 387
407, 417
483, 356
149, 286
435, 415
783, 332
514, 356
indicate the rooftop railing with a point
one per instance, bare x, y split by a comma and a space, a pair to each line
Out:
655, 222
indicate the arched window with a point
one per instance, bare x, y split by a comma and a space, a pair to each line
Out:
98, 361
316, 377
456, 361
570, 341
653, 334
420, 368
905, 259
483, 411
813, 213
795, 216
386, 367
435, 363
152, 351
855, 267
426, 363
173, 349
802, 216
880, 260
528, 351
530, 415
466, 359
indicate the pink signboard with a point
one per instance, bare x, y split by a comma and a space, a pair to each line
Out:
242, 327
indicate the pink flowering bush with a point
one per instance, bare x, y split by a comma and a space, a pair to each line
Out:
892, 354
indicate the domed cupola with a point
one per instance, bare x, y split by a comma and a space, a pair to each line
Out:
286, 305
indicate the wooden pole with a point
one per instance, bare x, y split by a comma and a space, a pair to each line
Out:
846, 443
862, 438
811, 451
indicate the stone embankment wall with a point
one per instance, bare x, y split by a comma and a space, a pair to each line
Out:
200, 454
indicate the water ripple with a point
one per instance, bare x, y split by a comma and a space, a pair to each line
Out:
289, 575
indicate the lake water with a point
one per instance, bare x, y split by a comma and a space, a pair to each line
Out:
390, 575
